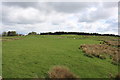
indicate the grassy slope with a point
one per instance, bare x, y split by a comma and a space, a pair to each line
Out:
33, 56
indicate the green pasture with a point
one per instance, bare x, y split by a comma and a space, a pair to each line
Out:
33, 56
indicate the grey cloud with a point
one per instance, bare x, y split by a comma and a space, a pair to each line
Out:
93, 17
110, 4
70, 7
113, 26
108, 29
37, 5
67, 7
20, 15
20, 4
99, 14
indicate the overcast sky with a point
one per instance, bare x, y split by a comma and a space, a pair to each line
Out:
93, 17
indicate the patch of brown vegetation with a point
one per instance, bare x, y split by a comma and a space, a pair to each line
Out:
9, 39
60, 72
113, 43
99, 50
117, 77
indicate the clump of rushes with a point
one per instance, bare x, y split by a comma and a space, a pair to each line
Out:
61, 72
100, 50
113, 43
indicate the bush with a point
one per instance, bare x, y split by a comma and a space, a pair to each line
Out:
32, 33
117, 77
12, 33
60, 72
4, 34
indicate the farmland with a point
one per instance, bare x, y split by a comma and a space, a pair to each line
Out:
32, 56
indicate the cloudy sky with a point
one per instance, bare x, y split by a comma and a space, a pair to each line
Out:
93, 17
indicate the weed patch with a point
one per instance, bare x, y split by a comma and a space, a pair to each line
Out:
60, 72
112, 43
100, 50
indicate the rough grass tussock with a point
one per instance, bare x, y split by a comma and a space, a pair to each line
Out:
100, 50
113, 43
60, 72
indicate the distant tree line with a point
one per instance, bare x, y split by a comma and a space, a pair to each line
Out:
76, 33
14, 33
10, 33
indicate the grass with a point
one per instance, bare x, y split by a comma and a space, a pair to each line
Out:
33, 56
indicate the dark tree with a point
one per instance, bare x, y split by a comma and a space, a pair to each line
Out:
12, 33
4, 34
32, 33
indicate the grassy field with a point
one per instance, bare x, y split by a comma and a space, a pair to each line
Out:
33, 56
